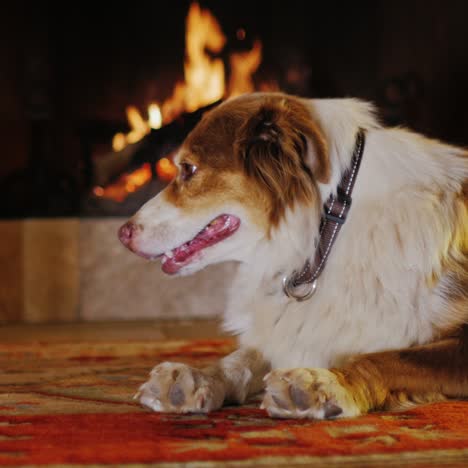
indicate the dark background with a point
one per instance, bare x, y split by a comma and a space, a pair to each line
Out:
70, 69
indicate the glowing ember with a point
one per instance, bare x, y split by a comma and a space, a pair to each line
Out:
127, 183
98, 191
166, 169
240, 34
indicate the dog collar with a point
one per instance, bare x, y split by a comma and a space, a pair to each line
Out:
334, 216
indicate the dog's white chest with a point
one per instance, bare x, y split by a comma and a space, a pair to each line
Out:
329, 327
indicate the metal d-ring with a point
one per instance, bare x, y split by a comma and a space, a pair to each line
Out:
288, 288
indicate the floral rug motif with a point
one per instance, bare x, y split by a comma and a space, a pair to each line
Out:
70, 404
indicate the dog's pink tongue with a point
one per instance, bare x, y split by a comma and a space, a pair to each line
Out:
181, 256
220, 228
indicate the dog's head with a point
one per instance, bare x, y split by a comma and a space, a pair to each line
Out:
246, 163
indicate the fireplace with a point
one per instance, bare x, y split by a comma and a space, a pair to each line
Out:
95, 96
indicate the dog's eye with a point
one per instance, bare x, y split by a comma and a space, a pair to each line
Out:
187, 171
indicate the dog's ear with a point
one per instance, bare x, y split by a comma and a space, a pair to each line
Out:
281, 146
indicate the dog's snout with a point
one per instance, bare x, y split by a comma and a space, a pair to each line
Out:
127, 233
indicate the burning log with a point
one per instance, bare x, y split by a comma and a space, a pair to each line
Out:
113, 164
158, 143
128, 178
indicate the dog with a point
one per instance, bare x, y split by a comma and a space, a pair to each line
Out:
352, 241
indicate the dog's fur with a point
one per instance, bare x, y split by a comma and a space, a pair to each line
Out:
387, 326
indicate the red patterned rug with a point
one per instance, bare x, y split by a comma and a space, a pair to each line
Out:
71, 404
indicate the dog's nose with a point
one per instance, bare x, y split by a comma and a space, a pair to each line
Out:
127, 233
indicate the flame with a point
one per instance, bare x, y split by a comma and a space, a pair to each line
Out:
154, 116
138, 125
204, 75
204, 83
175, 105
243, 66
126, 184
119, 142
138, 129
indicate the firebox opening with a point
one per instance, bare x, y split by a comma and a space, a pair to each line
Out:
98, 99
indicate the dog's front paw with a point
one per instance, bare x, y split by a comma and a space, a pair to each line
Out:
178, 388
307, 393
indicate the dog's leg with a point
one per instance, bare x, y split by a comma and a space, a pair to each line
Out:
179, 388
370, 382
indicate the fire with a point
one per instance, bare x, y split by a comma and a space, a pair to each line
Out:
204, 75
166, 169
126, 184
119, 142
139, 127
154, 116
243, 66
204, 83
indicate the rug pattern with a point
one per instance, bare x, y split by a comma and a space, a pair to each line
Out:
71, 404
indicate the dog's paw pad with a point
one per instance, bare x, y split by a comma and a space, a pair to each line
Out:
332, 411
300, 397
178, 388
307, 393
176, 395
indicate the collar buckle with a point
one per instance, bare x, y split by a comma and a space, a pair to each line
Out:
289, 289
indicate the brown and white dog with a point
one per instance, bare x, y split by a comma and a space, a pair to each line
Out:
387, 325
